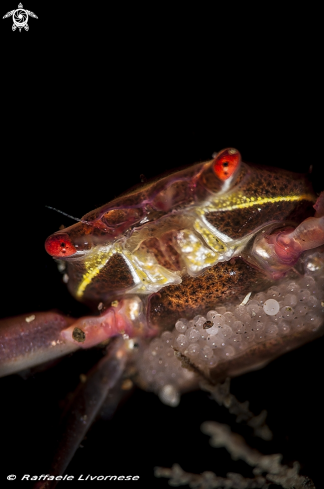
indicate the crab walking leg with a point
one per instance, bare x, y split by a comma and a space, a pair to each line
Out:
126, 317
102, 380
29, 340
319, 205
280, 251
308, 235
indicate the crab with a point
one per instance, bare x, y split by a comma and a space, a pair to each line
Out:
227, 167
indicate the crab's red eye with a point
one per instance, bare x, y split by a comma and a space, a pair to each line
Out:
226, 163
59, 245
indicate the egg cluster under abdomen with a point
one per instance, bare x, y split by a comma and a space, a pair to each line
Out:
228, 331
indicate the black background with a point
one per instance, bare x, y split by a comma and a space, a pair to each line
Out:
95, 96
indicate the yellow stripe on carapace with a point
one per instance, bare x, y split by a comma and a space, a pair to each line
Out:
93, 265
243, 202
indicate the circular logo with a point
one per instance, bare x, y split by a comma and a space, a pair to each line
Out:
20, 18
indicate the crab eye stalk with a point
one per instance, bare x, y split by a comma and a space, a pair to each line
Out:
226, 163
59, 245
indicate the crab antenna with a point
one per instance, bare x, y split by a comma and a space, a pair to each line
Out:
67, 215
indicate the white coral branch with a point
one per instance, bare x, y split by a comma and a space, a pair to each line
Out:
221, 394
267, 469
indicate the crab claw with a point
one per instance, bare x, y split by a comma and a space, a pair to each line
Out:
280, 250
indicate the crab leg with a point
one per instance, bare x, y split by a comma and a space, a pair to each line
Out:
280, 250
102, 380
29, 340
